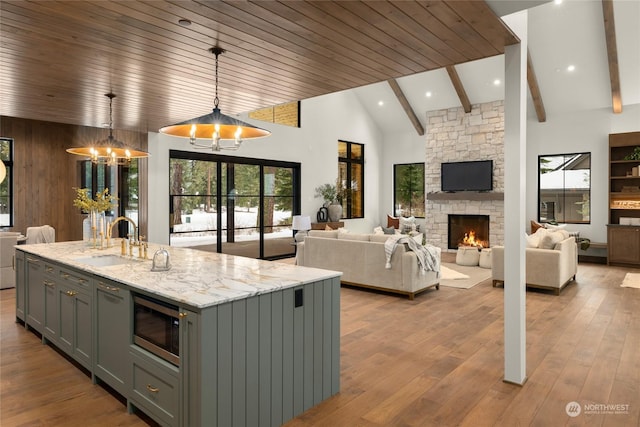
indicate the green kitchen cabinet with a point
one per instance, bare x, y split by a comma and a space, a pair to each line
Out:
35, 304
75, 315
21, 291
112, 314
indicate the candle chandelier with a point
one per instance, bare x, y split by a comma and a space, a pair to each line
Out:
221, 131
109, 151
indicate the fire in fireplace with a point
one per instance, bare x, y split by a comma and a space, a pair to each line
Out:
468, 230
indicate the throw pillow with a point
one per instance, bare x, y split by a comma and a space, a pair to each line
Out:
532, 240
327, 228
535, 226
393, 221
407, 224
550, 240
342, 230
378, 230
554, 227
388, 230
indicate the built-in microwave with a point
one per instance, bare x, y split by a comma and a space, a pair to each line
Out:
156, 327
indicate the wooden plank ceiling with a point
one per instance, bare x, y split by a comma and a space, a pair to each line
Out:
59, 58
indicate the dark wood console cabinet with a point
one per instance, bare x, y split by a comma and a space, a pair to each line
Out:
623, 230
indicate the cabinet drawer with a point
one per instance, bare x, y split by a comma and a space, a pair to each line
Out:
50, 269
72, 277
156, 389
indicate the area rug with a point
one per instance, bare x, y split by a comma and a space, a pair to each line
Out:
462, 276
631, 280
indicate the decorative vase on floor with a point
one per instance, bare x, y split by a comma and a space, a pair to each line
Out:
335, 212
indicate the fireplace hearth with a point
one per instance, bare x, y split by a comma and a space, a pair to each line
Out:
468, 230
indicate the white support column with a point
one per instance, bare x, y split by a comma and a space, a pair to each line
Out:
515, 135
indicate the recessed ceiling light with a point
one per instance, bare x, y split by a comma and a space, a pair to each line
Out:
380, 103
496, 82
558, 1
428, 94
184, 22
571, 68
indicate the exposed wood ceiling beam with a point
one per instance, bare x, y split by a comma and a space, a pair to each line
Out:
457, 85
612, 52
406, 106
535, 90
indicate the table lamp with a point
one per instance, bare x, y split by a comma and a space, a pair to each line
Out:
302, 224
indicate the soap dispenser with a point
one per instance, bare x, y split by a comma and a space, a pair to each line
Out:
161, 260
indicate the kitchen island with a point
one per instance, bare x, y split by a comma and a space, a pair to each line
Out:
258, 341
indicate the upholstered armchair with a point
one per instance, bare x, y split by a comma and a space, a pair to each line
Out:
7, 252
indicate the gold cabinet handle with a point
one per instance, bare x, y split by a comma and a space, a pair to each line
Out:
65, 275
48, 284
33, 259
108, 288
49, 269
182, 315
71, 293
152, 389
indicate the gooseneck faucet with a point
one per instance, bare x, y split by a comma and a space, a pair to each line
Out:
135, 228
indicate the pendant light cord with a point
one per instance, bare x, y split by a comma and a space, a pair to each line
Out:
110, 95
216, 50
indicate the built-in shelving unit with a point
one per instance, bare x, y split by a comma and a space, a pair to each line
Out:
466, 195
623, 230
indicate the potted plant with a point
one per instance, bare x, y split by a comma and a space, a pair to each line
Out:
333, 196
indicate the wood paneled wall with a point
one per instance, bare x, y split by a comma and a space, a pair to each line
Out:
45, 174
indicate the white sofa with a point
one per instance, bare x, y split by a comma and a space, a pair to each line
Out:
545, 268
361, 259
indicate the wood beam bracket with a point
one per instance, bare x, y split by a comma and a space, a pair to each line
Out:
612, 53
406, 106
457, 85
534, 88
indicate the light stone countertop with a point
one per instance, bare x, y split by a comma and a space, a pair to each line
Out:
197, 278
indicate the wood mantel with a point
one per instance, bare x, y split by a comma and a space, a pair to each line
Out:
466, 195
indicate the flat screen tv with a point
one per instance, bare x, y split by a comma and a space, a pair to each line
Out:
467, 176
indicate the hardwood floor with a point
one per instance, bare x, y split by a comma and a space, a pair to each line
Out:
433, 361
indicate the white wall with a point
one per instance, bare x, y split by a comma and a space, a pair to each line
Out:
324, 121
580, 131
398, 148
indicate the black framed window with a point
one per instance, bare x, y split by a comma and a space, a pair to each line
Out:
122, 182
351, 177
233, 205
6, 186
408, 190
564, 188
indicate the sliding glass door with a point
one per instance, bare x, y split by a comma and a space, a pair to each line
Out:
233, 205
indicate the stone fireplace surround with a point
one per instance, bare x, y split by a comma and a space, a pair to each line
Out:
453, 135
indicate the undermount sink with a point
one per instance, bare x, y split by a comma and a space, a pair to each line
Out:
104, 260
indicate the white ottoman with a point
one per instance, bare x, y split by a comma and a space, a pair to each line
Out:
485, 258
467, 255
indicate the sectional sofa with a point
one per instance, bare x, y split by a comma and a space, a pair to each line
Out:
361, 259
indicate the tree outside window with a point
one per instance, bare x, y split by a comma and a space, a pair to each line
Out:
408, 190
564, 190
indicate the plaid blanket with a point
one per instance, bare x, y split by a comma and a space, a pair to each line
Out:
428, 259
